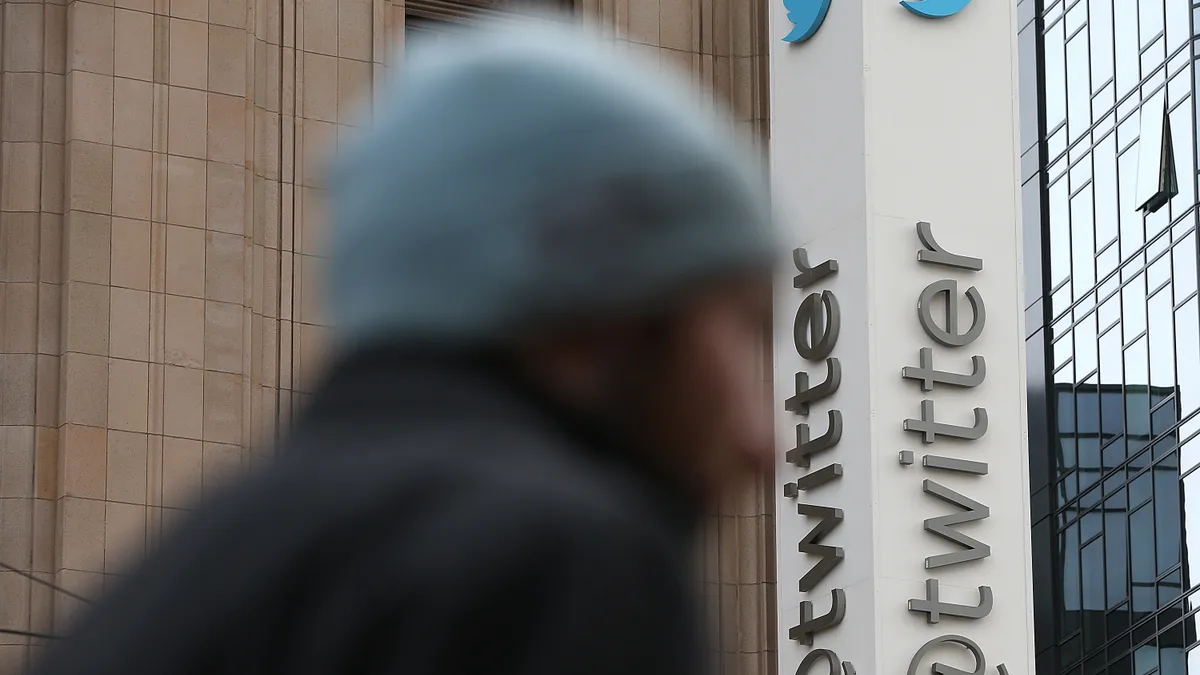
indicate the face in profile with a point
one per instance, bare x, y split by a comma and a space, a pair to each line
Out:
708, 413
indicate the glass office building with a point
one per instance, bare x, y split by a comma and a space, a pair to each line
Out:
1113, 332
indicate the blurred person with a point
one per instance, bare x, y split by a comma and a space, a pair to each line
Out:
549, 282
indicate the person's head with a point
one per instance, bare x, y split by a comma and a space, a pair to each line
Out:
685, 383
531, 190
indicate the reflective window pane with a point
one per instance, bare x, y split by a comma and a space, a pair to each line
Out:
1161, 321
1055, 72
1168, 505
1083, 242
1116, 549
1150, 20
1086, 347
1133, 311
1183, 260
1187, 356
1125, 38
1133, 233
1060, 232
1100, 22
1123, 338
1104, 172
1079, 85
1185, 160
1191, 521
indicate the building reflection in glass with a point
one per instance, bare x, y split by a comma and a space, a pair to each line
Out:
1113, 332
1121, 507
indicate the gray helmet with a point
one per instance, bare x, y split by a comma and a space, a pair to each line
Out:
521, 178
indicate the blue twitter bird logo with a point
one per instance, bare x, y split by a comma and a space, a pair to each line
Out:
935, 9
807, 15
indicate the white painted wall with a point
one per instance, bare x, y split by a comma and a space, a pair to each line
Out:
881, 120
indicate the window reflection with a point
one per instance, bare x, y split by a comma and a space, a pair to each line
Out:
1055, 71
1133, 309
1187, 356
1162, 338
1100, 22
1111, 366
1060, 232
1125, 40
1133, 234
1119, 551
1079, 85
1076, 17
1157, 179
1183, 260
1153, 75
1105, 189
1182, 131
1113, 548
1086, 345
1083, 243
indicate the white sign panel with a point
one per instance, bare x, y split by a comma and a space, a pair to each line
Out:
902, 504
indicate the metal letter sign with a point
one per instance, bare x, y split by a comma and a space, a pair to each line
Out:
808, 15
830, 659
817, 325
806, 394
806, 446
943, 669
811, 625
928, 376
830, 556
931, 429
941, 526
935, 608
949, 334
944, 526
815, 334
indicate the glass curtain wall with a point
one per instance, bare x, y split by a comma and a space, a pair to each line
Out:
1113, 332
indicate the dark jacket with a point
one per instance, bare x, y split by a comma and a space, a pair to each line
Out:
426, 517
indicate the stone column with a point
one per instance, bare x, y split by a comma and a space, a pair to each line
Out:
155, 250
901, 488
33, 100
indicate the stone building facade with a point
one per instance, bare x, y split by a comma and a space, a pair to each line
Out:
161, 234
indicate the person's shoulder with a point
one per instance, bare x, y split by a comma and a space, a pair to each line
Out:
521, 468
564, 496
582, 499
500, 512
519, 541
453, 501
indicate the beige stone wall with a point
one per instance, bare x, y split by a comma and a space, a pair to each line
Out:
161, 232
